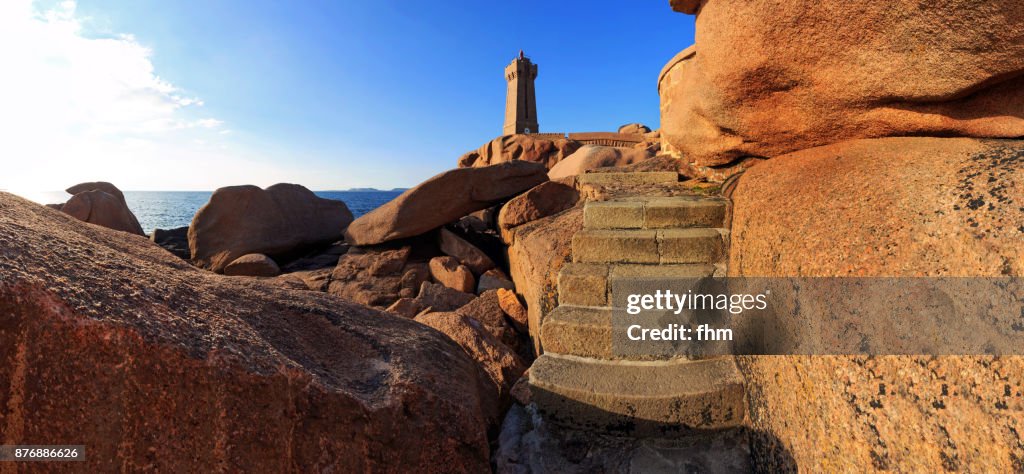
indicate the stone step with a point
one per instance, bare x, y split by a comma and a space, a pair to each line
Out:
663, 246
637, 177
590, 284
579, 331
647, 399
654, 213
603, 333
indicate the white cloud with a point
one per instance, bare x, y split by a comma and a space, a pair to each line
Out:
209, 123
75, 108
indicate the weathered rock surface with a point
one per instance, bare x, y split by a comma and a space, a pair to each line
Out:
279, 220
173, 240
497, 359
487, 310
488, 216
102, 204
413, 276
529, 444
440, 298
465, 252
514, 309
253, 264
541, 149
590, 157
96, 186
405, 307
538, 251
443, 199
909, 207
635, 128
760, 84
449, 272
494, 279
541, 201
897, 413
375, 277
109, 341
471, 223
312, 280
326, 257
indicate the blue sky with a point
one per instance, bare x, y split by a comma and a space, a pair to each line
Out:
326, 94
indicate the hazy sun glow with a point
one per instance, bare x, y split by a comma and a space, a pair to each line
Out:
78, 107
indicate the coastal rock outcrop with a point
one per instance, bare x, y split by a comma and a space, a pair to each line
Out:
173, 240
102, 204
759, 84
449, 272
544, 149
376, 277
318, 258
405, 307
635, 128
96, 186
465, 252
591, 157
497, 359
442, 199
514, 309
253, 264
538, 251
111, 342
493, 279
440, 298
541, 201
908, 207
277, 221
487, 309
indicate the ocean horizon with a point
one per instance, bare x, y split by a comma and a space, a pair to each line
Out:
172, 209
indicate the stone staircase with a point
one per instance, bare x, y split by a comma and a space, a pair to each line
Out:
580, 382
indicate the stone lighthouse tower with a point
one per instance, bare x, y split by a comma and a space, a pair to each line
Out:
521, 101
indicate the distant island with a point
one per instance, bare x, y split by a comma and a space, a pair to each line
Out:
374, 190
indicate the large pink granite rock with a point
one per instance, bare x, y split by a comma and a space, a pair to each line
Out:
591, 157
102, 204
109, 341
544, 149
767, 78
279, 220
443, 199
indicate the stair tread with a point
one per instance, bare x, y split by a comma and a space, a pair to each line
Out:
639, 398
635, 379
687, 200
651, 233
668, 270
630, 177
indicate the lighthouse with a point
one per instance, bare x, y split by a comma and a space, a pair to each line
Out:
521, 100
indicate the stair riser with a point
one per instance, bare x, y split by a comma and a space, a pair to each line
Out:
595, 336
640, 417
593, 284
640, 215
578, 340
648, 247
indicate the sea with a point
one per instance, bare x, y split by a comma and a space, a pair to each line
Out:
170, 209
